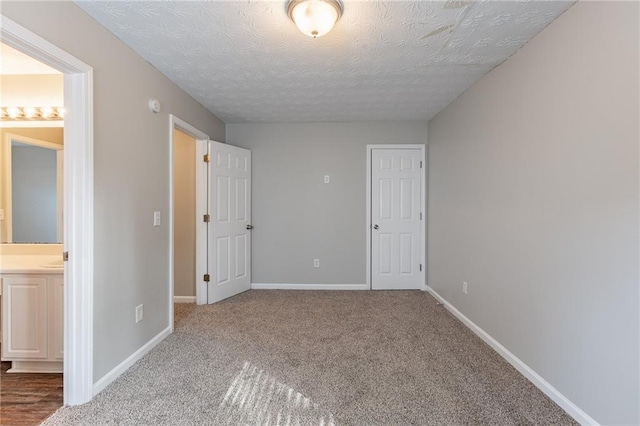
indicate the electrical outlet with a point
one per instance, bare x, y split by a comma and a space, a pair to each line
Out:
464, 287
327, 179
139, 313
157, 218
316, 263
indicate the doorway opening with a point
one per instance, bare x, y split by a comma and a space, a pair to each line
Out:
75, 290
31, 234
221, 216
187, 148
184, 217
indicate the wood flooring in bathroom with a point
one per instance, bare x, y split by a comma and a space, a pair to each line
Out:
28, 399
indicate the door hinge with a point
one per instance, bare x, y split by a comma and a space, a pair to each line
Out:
420, 215
207, 218
65, 256
207, 158
207, 278
420, 163
421, 267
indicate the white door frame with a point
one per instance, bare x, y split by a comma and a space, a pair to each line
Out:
202, 141
78, 205
423, 207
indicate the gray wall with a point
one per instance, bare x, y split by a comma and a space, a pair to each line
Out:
184, 214
34, 194
296, 216
131, 175
533, 200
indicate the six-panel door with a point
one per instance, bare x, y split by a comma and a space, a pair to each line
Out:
229, 253
396, 202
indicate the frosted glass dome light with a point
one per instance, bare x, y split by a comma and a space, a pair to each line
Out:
314, 18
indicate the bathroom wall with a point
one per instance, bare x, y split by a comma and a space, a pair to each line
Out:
49, 134
28, 90
31, 249
32, 90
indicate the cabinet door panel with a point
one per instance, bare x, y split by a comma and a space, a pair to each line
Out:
24, 317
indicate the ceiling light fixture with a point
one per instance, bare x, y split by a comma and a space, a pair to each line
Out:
314, 18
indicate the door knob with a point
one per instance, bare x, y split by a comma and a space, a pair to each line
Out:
249, 226
375, 227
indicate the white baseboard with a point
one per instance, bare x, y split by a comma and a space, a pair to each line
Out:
184, 299
36, 367
124, 365
280, 286
565, 403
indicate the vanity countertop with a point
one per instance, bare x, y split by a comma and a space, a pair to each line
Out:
31, 264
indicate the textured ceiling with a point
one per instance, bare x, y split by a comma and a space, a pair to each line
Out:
385, 60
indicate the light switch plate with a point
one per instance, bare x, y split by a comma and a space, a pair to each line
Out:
157, 218
139, 313
327, 179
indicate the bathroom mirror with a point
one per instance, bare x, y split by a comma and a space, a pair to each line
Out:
31, 190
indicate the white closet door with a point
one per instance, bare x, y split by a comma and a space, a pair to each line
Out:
395, 218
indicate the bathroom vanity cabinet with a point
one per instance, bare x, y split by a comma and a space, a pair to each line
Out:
32, 319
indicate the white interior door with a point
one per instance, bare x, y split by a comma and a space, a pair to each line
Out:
229, 230
396, 188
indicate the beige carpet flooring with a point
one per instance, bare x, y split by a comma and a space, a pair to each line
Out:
319, 358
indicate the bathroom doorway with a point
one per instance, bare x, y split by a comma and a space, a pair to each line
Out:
31, 238
77, 282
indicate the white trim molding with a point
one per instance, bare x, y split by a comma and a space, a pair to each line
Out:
565, 403
287, 286
423, 207
112, 375
202, 230
78, 205
184, 299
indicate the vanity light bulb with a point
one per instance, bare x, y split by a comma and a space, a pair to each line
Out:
61, 112
13, 112
29, 112
47, 112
